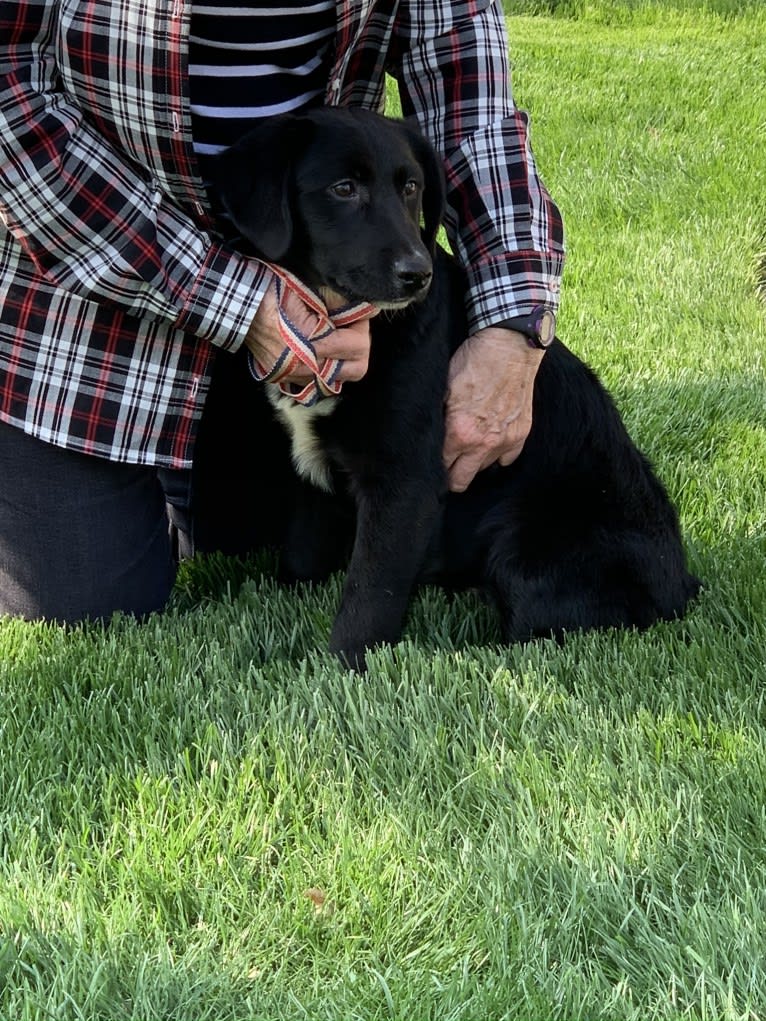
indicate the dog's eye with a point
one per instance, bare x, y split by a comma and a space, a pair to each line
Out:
344, 189
410, 187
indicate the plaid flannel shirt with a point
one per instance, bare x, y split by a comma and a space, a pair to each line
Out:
115, 289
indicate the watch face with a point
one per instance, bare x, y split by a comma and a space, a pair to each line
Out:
546, 328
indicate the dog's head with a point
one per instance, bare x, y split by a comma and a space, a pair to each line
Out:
336, 196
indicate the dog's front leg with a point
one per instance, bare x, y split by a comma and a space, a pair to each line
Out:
319, 535
392, 536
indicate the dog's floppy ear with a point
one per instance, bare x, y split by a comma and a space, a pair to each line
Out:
253, 181
434, 191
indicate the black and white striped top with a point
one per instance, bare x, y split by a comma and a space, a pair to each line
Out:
250, 61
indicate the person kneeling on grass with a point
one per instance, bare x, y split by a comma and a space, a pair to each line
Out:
119, 288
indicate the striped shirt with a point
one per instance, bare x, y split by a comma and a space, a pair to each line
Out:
116, 286
254, 61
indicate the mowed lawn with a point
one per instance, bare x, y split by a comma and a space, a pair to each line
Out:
205, 817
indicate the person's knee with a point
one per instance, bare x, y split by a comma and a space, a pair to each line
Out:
80, 538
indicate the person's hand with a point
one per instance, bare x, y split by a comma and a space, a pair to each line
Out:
489, 402
350, 344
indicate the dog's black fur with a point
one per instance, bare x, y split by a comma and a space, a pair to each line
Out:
578, 533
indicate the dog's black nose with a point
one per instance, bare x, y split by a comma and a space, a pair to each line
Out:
413, 272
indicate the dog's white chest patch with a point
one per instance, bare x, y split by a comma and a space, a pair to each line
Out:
309, 459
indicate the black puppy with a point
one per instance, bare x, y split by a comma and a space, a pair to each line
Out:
577, 533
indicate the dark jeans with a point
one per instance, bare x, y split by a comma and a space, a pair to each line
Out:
81, 537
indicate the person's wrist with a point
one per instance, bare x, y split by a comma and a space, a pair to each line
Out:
514, 342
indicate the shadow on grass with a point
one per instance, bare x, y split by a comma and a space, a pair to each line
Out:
214, 576
51, 975
760, 274
683, 419
703, 438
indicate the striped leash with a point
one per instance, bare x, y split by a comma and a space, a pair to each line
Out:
299, 348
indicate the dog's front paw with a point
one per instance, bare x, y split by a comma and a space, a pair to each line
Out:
351, 654
364, 621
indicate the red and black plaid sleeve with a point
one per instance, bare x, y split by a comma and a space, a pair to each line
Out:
502, 223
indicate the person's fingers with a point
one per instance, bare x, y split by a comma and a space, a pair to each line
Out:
352, 342
471, 444
462, 471
512, 451
464, 433
351, 346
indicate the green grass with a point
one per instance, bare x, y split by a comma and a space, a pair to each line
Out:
525, 833
611, 12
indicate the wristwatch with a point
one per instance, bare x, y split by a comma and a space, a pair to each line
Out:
539, 326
